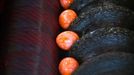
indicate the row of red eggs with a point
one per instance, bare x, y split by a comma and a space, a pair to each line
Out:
66, 39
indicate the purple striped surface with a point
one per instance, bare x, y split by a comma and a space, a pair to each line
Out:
30, 43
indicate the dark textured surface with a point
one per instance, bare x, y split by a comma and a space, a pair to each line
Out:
79, 4
102, 15
103, 40
106, 30
117, 63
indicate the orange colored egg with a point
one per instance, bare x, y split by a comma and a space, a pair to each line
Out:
66, 3
66, 39
66, 18
68, 65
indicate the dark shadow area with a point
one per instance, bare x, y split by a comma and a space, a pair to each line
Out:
4, 30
